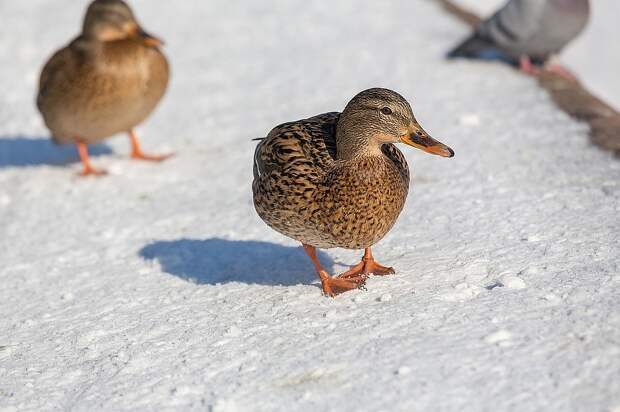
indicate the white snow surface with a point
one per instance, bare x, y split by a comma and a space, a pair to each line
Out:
158, 287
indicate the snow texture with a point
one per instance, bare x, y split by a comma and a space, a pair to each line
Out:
159, 288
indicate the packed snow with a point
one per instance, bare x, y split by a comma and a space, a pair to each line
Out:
159, 288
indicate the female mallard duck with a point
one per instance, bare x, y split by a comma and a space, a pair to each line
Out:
106, 81
337, 180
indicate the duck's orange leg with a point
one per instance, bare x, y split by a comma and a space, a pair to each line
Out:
367, 266
333, 286
137, 153
88, 170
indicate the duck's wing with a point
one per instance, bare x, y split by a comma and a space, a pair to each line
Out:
396, 156
52, 71
301, 148
60, 69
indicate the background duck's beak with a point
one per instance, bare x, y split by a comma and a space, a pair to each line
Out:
149, 39
418, 138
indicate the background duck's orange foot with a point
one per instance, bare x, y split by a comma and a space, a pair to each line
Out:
333, 286
88, 169
151, 158
137, 153
91, 171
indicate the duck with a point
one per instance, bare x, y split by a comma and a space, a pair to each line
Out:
527, 33
337, 180
106, 81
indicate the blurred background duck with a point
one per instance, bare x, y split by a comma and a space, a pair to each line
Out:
338, 180
106, 81
526, 33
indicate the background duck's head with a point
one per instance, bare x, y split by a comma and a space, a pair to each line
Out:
111, 20
378, 116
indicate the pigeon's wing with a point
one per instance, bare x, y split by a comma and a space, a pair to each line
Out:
505, 34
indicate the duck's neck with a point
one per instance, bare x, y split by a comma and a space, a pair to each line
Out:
353, 142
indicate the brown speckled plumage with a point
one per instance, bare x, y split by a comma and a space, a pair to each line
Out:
304, 192
337, 179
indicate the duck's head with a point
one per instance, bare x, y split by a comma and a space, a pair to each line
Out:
378, 116
111, 20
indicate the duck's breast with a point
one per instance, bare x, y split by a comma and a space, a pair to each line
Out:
363, 200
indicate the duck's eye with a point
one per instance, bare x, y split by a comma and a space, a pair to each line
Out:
386, 111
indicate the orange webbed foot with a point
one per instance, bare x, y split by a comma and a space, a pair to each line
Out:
91, 171
367, 266
151, 158
333, 286
355, 271
380, 270
137, 153
88, 170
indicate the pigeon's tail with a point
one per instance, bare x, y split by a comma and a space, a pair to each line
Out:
479, 47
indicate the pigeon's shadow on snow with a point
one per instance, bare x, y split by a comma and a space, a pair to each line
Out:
212, 261
21, 151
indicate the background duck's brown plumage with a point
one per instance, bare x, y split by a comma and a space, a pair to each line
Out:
106, 81
303, 191
93, 90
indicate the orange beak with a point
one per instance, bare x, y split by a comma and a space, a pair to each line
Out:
149, 40
418, 138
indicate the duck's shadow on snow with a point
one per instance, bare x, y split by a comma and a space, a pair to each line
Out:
212, 261
22, 151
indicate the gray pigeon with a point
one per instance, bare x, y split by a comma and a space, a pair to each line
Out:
531, 29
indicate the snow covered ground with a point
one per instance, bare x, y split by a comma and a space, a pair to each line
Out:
158, 287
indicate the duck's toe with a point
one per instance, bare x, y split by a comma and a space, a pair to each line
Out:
379, 270
333, 286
